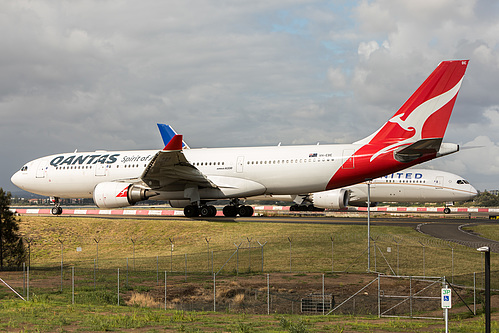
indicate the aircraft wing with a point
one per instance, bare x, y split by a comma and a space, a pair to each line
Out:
169, 170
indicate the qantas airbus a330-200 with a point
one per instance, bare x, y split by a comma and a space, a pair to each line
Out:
411, 136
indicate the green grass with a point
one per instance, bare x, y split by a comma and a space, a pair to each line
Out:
311, 246
311, 249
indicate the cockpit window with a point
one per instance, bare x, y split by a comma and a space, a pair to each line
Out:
24, 168
462, 181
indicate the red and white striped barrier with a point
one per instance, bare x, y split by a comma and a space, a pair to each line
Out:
173, 212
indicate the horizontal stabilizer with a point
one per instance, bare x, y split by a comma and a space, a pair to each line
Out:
418, 149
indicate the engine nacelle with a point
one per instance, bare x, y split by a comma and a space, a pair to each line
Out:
179, 203
333, 199
116, 195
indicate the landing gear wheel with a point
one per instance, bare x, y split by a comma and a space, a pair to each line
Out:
213, 211
245, 211
230, 211
208, 211
446, 210
56, 210
191, 211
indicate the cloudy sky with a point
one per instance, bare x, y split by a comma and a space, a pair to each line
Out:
100, 74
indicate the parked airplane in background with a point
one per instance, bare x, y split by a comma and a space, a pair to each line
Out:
122, 178
411, 185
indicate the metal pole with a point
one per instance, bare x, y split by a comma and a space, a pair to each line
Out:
97, 254
118, 286
27, 284
157, 270
185, 267
487, 291
72, 285
165, 290
214, 293
62, 261
368, 224
133, 241
171, 254
290, 257
323, 296
268, 294
207, 239
379, 294
249, 241
332, 254
95, 283
237, 257
127, 272
474, 293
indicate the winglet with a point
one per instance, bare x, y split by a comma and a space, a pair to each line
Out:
175, 143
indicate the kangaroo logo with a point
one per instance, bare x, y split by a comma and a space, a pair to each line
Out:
417, 118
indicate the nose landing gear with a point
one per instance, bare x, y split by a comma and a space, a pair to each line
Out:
57, 209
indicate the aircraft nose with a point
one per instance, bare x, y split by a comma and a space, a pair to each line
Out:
16, 179
473, 191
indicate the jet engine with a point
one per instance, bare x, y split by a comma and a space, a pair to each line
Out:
179, 203
116, 195
333, 199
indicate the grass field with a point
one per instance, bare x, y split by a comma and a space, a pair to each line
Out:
309, 248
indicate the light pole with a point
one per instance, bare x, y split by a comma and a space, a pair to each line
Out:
486, 250
368, 180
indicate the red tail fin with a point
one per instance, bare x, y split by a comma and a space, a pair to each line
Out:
426, 113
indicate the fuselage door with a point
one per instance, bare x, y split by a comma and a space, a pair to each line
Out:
240, 164
100, 169
41, 169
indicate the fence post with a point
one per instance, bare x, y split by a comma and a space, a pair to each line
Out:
262, 251
249, 242
157, 270
73, 285
379, 292
214, 293
474, 293
268, 294
323, 296
332, 254
118, 286
237, 257
97, 255
207, 239
27, 283
186, 267
290, 257
171, 254
62, 260
133, 241
95, 283
165, 290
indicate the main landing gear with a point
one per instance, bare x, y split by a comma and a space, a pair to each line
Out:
231, 210
57, 209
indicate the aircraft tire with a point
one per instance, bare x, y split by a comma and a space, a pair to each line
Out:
56, 210
191, 211
446, 210
213, 210
230, 211
245, 211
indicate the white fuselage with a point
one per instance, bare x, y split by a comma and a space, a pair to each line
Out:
415, 185
266, 170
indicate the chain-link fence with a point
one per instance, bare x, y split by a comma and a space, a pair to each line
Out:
298, 274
